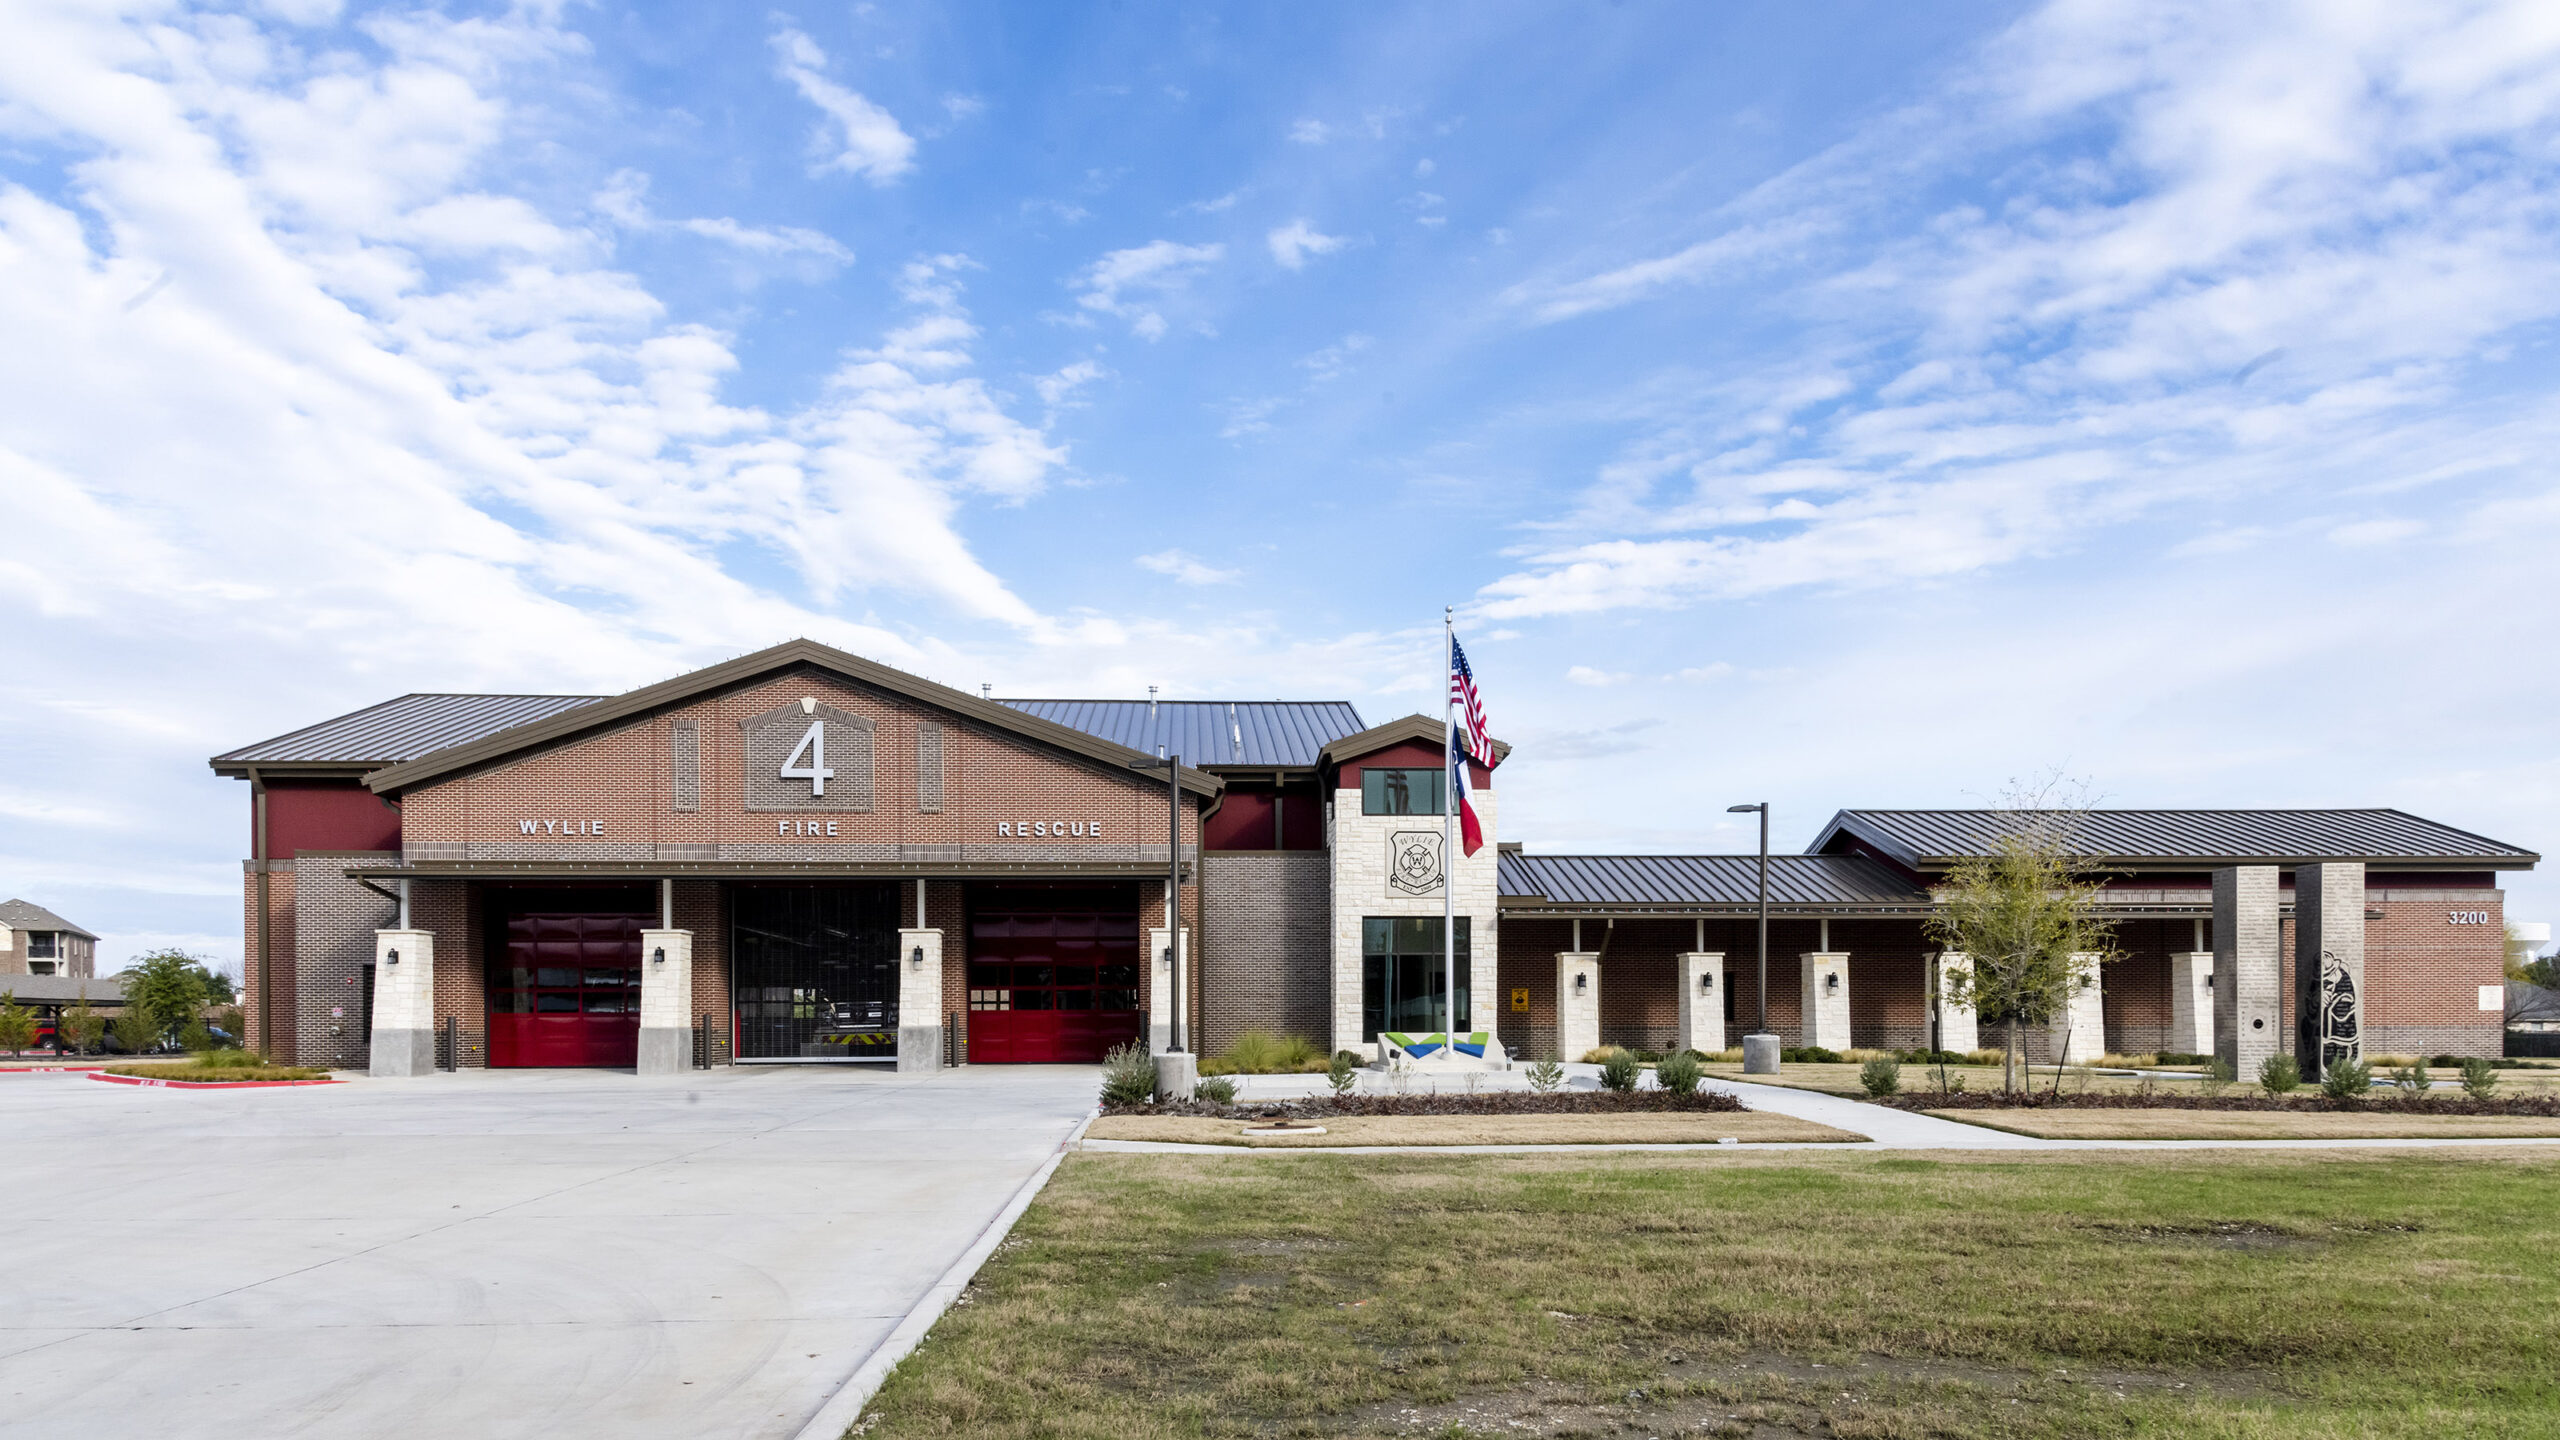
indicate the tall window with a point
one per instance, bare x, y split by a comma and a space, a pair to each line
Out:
1401, 976
1401, 792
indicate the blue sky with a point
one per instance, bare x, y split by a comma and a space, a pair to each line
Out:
1847, 405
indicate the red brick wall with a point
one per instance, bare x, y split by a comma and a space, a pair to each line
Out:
2422, 974
277, 925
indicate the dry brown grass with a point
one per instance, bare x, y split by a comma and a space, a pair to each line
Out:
1750, 1127
2252, 1125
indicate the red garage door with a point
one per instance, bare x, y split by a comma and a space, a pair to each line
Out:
568, 992
1053, 973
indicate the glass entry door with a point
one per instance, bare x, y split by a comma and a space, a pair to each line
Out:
816, 974
1403, 975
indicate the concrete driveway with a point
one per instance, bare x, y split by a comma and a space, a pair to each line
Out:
551, 1254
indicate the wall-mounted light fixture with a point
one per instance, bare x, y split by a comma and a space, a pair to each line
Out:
1831, 981
915, 957
391, 957
1706, 981
1164, 957
1581, 983
658, 956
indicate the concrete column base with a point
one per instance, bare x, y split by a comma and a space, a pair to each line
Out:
1760, 1054
665, 1051
1177, 1074
919, 1048
401, 1053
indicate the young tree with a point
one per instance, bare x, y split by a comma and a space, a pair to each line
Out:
82, 1027
17, 1023
2025, 915
138, 1027
169, 984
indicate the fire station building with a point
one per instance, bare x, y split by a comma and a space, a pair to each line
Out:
802, 856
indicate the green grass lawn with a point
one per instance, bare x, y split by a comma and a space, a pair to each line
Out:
2186, 1295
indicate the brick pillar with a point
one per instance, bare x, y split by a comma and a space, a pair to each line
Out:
2191, 1002
404, 1003
1577, 1003
2328, 965
1959, 1028
2080, 1031
1702, 983
666, 1002
919, 1000
2248, 1023
1826, 999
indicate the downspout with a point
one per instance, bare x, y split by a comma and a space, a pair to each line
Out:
266, 911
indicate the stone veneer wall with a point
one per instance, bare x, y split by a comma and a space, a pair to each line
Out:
1358, 845
334, 921
1264, 957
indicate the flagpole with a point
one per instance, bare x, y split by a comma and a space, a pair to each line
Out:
1448, 836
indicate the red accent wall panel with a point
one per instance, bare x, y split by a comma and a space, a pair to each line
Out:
327, 815
1301, 820
1243, 821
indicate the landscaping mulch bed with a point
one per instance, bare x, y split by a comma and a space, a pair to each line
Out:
2376, 1104
1498, 1102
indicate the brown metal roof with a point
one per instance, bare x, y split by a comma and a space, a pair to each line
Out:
396, 730
2156, 839
1701, 882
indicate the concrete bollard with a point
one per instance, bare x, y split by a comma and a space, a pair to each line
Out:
1760, 1054
1177, 1074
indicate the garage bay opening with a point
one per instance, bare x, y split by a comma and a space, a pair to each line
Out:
817, 971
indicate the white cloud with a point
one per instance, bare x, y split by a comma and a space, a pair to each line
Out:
1188, 569
1586, 675
2259, 273
1311, 132
1292, 243
1058, 388
1156, 269
1216, 206
625, 200
858, 138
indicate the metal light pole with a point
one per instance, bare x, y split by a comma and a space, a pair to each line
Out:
1172, 768
1760, 1049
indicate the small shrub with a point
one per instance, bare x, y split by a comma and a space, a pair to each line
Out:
1619, 1071
1128, 1076
1217, 1067
2479, 1078
2447, 1061
1881, 1075
1810, 1055
2126, 1062
2217, 1075
1862, 1056
2393, 1062
1679, 1073
195, 1037
1546, 1075
2411, 1079
1217, 1090
1601, 1055
1984, 1057
2174, 1057
1929, 1057
1350, 1057
1955, 1084
2279, 1075
1730, 1055
1342, 1073
2347, 1081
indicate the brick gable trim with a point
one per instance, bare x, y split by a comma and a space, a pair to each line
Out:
747, 670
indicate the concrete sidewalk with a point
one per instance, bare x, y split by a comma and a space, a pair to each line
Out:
553, 1254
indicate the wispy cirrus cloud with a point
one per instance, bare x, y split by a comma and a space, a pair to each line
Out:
1292, 243
1188, 568
1114, 284
857, 137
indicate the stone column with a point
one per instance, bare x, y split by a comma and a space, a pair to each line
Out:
2328, 965
1577, 1003
1160, 991
666, 1002
1959, 1028
919, 1000
2191, 1002
1826, 999
1702, 983
2080, 1032
2247, 1024
404, 1002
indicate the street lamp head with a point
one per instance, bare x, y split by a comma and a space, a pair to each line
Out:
1745, 809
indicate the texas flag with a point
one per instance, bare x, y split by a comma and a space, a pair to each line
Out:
1467, 735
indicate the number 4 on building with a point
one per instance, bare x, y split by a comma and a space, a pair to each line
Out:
813, 743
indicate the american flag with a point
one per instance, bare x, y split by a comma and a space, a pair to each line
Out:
1462, 693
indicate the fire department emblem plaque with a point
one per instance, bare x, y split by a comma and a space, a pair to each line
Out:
1414, 861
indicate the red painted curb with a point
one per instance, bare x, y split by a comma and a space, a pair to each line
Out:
205, 1084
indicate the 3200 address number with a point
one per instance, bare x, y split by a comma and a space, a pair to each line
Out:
2467, 917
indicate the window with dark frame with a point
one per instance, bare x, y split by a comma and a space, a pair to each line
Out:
1401, 792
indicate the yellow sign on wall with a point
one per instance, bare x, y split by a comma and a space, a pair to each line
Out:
1519, 997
